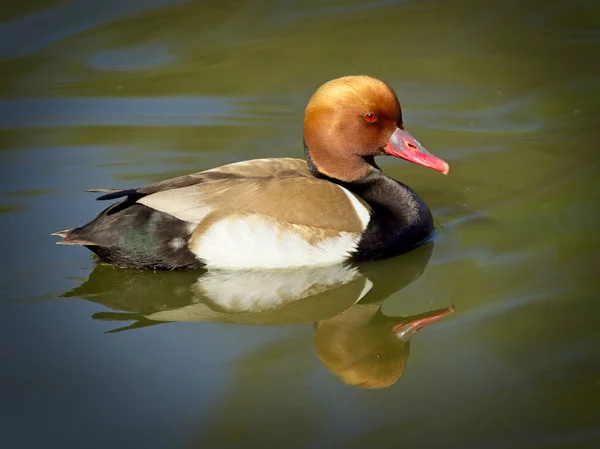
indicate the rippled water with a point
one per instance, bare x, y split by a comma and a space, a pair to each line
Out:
120, 94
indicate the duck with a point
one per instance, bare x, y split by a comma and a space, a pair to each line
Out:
334, 206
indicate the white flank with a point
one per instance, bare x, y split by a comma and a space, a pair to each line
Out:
259, 291
255, 242
363, 213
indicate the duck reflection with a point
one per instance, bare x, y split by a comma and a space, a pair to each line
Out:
366, 348
352, 337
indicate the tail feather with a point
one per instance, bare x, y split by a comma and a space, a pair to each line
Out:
71, 239
111, 194
76, 242
64, 234
117, 194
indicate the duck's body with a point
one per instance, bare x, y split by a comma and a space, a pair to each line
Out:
276, 213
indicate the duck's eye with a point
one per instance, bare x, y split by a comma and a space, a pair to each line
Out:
370, 117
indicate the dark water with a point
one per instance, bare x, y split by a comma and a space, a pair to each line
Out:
122, 93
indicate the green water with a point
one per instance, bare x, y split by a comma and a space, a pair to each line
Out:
124, 93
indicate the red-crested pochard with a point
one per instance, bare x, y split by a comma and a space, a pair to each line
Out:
280, 213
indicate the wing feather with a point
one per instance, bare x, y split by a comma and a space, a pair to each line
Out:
304, 201
280, 188
256, 168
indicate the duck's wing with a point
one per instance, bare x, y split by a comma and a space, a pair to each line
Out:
281, 189
257, 168
294, 200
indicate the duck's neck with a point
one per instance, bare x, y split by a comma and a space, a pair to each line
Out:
379, 190
400, 219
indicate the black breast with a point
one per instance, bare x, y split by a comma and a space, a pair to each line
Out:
400, 220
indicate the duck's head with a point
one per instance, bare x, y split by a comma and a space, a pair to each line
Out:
350, 120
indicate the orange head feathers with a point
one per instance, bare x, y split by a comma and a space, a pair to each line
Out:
350, 120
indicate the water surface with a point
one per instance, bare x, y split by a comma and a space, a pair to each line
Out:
121, 94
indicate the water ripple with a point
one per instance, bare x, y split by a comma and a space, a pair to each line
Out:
136, 57
31, 33
168, 111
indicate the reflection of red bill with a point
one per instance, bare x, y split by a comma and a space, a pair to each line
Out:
411, 325
405, 146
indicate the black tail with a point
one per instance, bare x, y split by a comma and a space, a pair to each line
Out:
129, 234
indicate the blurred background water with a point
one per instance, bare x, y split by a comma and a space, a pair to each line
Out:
124, 93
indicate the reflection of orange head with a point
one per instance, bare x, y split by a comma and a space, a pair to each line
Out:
367, 349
